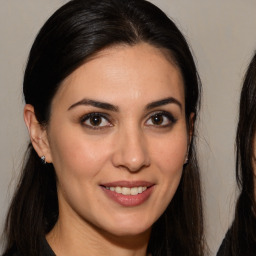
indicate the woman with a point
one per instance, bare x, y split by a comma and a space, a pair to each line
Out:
112, 95
241, 238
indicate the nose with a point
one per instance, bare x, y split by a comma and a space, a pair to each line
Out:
131, 151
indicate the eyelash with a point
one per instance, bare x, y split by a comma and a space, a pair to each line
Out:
163, 114
87, 117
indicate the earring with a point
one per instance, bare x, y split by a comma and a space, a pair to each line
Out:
43, 159
186, 160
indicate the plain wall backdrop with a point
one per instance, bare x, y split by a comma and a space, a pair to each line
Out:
222, 35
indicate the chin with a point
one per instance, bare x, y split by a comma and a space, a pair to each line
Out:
124, 228
129, 234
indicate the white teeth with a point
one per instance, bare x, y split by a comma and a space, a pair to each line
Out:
134, 191
118, 190
140, 189
127, 191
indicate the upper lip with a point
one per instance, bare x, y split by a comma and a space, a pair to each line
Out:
128, 184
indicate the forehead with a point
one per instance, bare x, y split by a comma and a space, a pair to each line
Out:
124, 73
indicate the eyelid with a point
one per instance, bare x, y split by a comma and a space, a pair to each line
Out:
90, 114
170, 116
171, 119
86, 117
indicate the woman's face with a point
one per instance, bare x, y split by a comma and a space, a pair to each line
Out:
118, 139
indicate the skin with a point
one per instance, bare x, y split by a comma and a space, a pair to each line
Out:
127, 145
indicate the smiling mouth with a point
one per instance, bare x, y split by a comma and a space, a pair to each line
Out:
127, 191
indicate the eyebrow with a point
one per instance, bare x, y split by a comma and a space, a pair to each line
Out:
107, 106
94, 103
162, 102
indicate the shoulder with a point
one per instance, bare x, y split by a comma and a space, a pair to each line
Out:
244, 245
12, 252
47, 250
225, 249
44, 251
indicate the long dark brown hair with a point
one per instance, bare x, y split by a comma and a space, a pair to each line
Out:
243, 230
75, 32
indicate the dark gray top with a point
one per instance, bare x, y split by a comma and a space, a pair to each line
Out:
46, 250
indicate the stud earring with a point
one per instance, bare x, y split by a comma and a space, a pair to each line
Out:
186, 160
43, 159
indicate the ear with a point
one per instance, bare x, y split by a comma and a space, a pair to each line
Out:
37, 133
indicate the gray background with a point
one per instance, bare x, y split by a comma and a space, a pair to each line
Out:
222, 35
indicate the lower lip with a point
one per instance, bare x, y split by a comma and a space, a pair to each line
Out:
129, 200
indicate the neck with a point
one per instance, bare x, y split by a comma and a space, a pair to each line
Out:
79, 238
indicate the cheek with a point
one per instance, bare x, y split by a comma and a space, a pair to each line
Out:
170, 154
76, 154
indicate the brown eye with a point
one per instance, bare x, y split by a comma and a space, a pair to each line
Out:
161, 119
157, 119
95, 121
